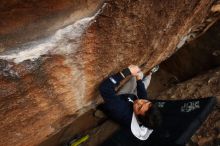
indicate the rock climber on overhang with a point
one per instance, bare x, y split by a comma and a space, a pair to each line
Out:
130, 106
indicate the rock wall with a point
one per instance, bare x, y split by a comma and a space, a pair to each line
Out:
197, 56
137, 32
194, 58
50, 68
23, 21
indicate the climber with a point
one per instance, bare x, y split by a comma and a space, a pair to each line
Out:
130, 106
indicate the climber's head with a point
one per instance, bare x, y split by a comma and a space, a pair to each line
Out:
148, 113
141, 106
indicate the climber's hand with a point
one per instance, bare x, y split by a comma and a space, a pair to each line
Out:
140, 75
134, 69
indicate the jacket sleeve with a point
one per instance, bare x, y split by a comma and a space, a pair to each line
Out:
113, 106
107, 87
141, 91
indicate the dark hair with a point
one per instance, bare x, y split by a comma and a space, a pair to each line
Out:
152, 117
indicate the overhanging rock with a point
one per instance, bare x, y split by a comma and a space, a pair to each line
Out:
46, 83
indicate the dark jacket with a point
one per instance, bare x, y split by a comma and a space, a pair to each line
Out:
118, 107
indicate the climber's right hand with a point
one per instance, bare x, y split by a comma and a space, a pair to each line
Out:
140, 75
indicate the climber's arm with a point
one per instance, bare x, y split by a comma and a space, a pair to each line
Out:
107, 87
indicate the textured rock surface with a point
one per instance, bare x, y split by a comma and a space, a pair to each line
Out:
56, 77
23, 21
193, 58
137, 32
197, 56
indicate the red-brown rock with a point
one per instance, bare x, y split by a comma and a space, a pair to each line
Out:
43, 91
